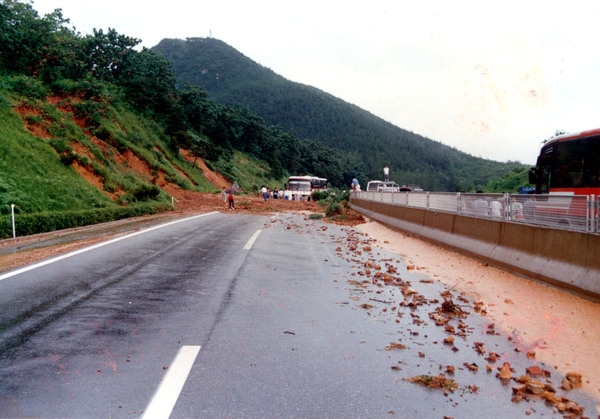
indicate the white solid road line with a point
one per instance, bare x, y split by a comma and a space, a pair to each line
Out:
250, 242
85, 249
163, 402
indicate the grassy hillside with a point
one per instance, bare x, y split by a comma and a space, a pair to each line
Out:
232, 78
33, 177
55, 157
68, 153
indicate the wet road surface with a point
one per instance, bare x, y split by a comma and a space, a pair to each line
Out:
259, 317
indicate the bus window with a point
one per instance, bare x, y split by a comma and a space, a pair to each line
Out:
570, 164
591, 163
545, 180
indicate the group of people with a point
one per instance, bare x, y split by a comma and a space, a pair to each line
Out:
266, 193
493, 207
291, 195
484, 208
227, 195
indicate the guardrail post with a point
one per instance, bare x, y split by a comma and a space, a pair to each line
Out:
597, 216
12, 216
595, 219
589, 214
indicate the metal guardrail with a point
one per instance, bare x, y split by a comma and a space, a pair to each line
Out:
570, 212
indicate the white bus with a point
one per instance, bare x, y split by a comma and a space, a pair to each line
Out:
300, 188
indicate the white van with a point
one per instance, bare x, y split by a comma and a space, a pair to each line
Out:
388, 187
372, 185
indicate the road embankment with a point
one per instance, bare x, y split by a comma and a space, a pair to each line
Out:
563, 258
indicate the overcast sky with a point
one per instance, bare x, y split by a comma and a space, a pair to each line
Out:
492, 79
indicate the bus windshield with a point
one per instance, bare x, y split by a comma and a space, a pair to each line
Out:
299, 185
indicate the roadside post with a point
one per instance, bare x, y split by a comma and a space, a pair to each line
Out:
12, 216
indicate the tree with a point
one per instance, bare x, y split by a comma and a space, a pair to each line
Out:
110, 54
148, 81
25, 38
196, 108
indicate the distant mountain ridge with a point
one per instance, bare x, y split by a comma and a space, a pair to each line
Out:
231, 78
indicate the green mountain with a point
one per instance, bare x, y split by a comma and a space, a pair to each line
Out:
230, 78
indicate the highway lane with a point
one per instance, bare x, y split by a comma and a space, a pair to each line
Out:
90, 335
274, 327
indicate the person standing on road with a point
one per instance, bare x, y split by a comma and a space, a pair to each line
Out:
355, 185
529, 209
263, 193
480, 206
386, 173
496, 208
516, 209
231, 203
224, 195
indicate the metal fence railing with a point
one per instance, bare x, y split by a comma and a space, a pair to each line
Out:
571, 212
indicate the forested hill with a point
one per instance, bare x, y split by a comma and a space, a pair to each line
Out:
231, 78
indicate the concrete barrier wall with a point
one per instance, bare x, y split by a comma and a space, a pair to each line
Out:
564, 258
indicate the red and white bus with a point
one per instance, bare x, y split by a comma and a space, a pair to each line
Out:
569, 164
567, 178
300, 188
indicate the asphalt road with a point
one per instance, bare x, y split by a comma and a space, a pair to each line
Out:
226, 315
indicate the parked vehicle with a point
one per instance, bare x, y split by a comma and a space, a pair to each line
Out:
302, 187
526, 190
373, 185
568, 166
414, 187
388, 187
